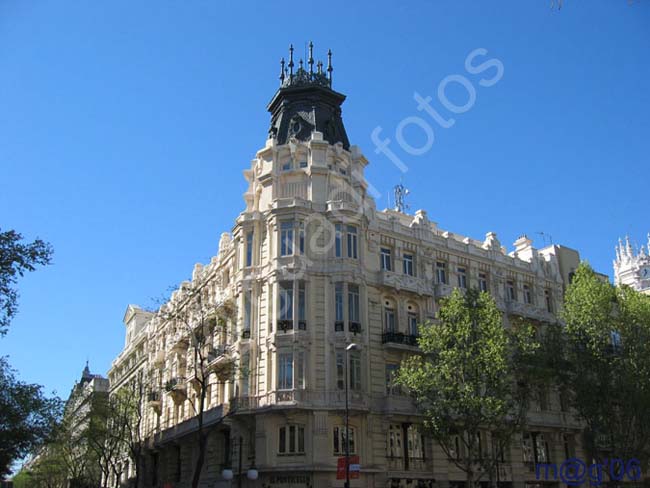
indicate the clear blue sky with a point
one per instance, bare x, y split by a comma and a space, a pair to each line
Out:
125, 128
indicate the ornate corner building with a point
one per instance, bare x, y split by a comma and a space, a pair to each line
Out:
632, 268
313, 267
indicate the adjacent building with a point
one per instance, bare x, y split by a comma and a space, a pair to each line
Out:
632, 267
313, 267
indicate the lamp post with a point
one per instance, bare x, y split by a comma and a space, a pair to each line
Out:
252, 473
351, 347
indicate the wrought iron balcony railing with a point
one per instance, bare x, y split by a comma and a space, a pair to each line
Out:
399, 338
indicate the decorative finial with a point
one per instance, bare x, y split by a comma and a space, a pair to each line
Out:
291, 62
282, 70
319, 65
311, 58
300, 65
329, 66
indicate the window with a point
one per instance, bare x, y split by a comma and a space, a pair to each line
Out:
355, 370
353, 304
338, 237
386, 259
528, 296
394, 446
352, 242
338, 307
391, 372
389, 319
291, 439
247, 311
291, 370
302, 306
249, 249
482, 282
288, 315
340, 440
286, 301
462, 277
569, 449
413, 323
534, 448
286, 238
286, 166
301, 238
300, 370
340, 370
549, 301
441, 272
511, 293
285, 371
408, 265
415, 442
244, 371
455, 448
303, 164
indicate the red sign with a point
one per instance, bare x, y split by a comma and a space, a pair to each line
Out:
355, 467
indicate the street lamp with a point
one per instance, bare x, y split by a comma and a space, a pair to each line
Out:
252, 473
351, 347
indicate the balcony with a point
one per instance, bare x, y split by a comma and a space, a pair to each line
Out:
395, 403
177, 387
528, 310
441, 290
354, 327
399, 338
246, 334
243, 404
180, 343
339, 326
405, 282
220, 361
398, 463
285, 325
154, 400
158, 359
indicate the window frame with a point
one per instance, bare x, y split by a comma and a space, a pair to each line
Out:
461, 272
338, 440
288, 439
386, 258
441, 272
408, 264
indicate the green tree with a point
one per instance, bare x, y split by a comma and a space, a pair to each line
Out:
17, 258
471, 382
605, 366
202, 321
27, 417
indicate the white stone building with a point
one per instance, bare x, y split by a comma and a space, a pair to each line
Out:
632, 268
313, 266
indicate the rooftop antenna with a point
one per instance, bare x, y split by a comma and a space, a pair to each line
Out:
545, 236
400, 192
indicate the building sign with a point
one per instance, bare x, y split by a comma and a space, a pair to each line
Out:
355, 467
289, 481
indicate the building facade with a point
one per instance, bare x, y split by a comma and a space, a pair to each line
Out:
632, 268
313, 267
